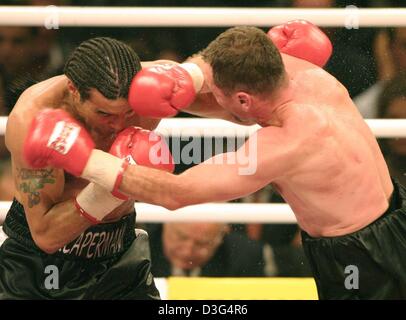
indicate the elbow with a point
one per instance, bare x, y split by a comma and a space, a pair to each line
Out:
178, 195
48, 249
176, 201
45, 244
173, 205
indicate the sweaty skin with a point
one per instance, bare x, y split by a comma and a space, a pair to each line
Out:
47, 194
314, 148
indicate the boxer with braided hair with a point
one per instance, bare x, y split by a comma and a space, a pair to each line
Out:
105, 64
59, 220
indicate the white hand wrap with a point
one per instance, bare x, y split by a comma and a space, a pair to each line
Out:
196, 73
104, 169
94, 203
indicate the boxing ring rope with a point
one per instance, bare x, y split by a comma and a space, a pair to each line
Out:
210, 212
196, 17
3, 122
382, 128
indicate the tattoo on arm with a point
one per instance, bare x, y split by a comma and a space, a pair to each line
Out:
32, 181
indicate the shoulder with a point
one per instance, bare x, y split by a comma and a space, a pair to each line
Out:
308, 119
315, 81
299, 121
36, 97
16, 129
303, 125
18, 123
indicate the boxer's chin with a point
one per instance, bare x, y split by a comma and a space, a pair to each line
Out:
105, 132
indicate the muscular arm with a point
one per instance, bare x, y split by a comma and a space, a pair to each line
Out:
53, 221
221, 178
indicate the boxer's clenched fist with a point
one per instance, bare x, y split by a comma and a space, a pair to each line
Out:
302, 39
135, 146
163, 90
56, 139
141, 147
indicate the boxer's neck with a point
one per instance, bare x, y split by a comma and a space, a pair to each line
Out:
68, 103
270, 108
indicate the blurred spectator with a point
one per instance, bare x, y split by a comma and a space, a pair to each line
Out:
167, 43
170, 54
206, 249
352, 61
141, 46
16, 50
26, 58
6, 181
392, 105
390, 52
27, 55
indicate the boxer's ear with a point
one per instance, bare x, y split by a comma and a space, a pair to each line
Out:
245, 100
73, 91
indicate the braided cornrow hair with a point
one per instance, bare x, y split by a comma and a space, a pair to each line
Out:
105, 64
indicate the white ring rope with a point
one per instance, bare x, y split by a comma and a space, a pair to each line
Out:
210, 212
3, 122
55, 17
382, 128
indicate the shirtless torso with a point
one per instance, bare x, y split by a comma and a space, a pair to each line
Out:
331, 170
339, 182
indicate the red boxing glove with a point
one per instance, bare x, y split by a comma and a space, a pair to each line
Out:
302, 39
56, 139
162, 90
141, 147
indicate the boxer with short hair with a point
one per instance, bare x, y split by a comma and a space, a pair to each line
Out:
314, 148
59, 220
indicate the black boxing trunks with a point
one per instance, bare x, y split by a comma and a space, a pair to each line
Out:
367, 264
107, 261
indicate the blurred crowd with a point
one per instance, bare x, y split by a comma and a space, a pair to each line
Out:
370, 62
